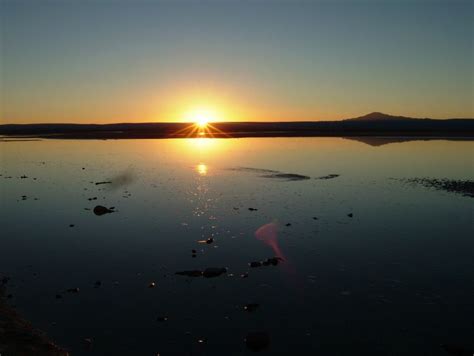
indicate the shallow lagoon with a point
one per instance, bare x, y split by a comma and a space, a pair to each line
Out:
395, 278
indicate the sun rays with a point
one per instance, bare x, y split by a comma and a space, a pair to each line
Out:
200, 128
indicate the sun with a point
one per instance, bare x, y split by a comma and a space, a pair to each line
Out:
201, 121
201, 118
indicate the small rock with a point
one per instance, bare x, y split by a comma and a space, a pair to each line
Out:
213, 272
73, 290
151, 285
253, 209
101, 210
350, 215
162, 318
210, 240
288, 224
88, 342
255, 264
97, 284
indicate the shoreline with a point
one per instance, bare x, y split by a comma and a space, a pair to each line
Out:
94, 135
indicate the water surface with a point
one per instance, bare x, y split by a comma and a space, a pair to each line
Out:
370, 265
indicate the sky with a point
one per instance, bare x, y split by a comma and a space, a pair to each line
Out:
109, 61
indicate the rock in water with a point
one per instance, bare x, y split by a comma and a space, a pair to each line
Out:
213, 272
101, 210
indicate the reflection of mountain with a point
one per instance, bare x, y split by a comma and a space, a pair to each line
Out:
373, 124
380, 141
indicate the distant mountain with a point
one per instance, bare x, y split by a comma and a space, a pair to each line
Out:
379, 116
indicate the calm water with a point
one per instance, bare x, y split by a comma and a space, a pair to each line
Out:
396, 278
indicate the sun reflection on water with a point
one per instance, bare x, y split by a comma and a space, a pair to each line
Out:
201, 169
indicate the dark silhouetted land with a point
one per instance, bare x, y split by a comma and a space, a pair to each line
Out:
373, 124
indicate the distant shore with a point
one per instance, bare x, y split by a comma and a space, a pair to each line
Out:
409, 128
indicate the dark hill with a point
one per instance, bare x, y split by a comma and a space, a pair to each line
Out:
373, 124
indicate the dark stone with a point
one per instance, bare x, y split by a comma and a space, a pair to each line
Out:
350, 215
255, 264
253, 209
73, 290
329, 176
274, 260
213, 272
101, 210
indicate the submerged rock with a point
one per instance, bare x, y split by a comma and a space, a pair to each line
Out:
88, 342
463, 187
286, 176
193, 273
269, 261
213, 272
329, 176
207, 273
